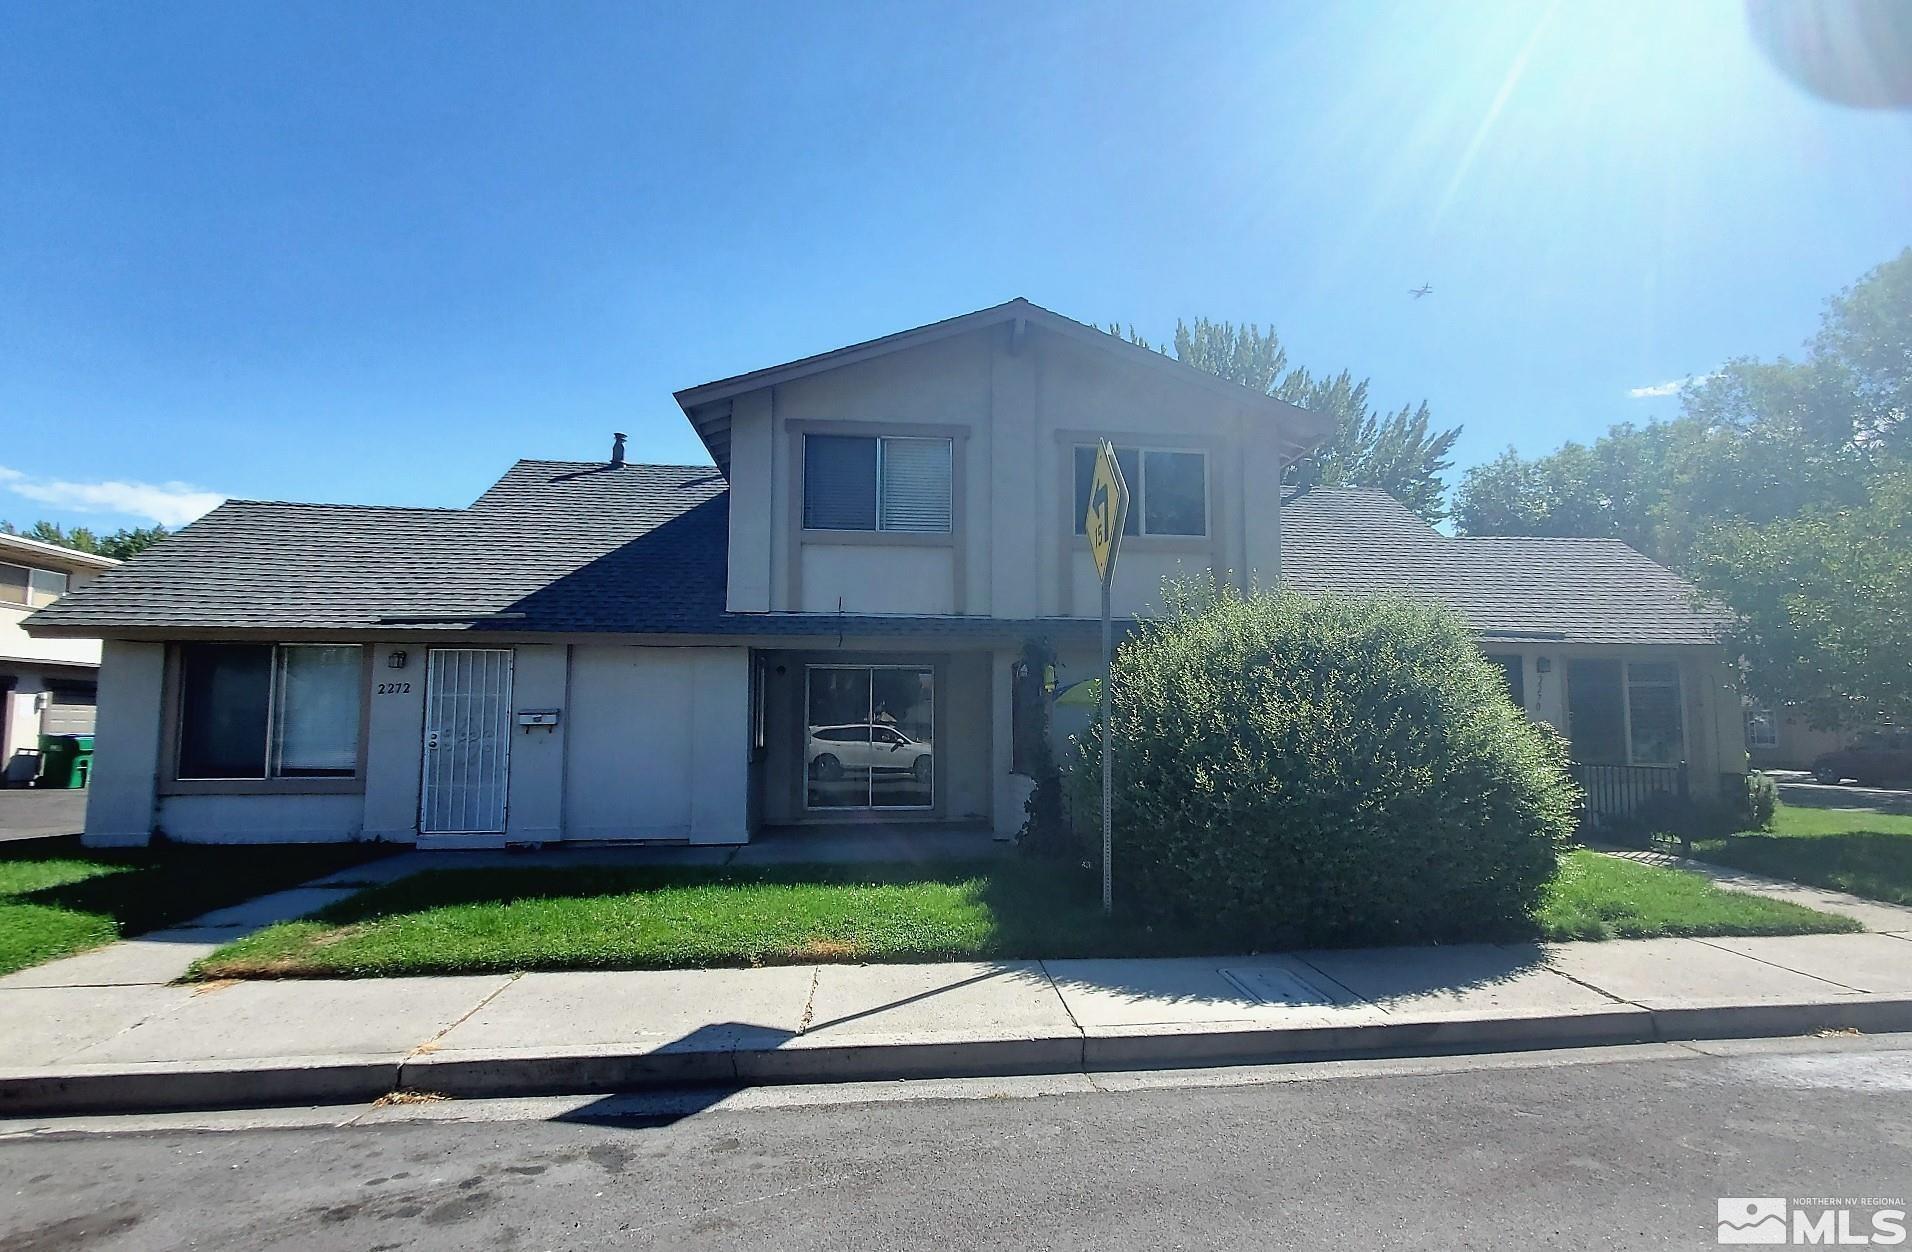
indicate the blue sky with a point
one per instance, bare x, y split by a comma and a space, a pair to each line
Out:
375, 254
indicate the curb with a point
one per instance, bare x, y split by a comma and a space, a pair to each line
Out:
475, 1075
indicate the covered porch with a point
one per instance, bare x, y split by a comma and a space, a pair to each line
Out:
1641, 722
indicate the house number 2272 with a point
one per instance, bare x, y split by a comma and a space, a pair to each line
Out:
394, 689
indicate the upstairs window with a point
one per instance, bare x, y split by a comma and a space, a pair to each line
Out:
269, 711
35, 588
1168, 490
887, 483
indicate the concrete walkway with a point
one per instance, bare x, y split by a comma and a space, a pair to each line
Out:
107, 1030
1875, 915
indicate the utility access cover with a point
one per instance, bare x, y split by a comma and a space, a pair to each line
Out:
1271, 984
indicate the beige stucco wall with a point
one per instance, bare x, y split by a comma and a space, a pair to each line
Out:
1799, 744
658, 744
1018, 414
262, 819
120, 799
651, 743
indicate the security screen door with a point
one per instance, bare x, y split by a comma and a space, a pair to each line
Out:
467, 741
869, 737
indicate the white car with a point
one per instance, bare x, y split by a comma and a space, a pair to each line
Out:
864, 749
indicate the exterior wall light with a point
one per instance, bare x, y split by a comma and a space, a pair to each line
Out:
397, 659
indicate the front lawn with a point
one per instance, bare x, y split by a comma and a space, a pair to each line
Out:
57, 897
474, 921
1863, 851
1602, 897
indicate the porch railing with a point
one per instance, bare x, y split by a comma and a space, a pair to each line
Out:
1615, 792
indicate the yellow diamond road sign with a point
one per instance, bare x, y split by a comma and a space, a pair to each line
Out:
1108, 510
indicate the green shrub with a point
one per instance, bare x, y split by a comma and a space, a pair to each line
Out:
1294, 769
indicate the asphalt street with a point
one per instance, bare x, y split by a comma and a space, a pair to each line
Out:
1625, 1147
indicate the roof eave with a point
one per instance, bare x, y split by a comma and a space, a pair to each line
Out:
55, 552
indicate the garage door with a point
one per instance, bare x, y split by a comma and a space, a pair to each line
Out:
69, 711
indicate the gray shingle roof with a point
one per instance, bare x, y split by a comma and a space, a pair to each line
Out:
575, 547
553, 546
1356, 539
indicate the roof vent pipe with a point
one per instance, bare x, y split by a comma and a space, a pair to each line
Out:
617, 448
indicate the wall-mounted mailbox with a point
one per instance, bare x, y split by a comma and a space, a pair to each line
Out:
547, 718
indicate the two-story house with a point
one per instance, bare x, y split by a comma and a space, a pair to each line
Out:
824, 626
46, 685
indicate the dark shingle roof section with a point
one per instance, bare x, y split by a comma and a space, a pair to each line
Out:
552, 547
1597, 591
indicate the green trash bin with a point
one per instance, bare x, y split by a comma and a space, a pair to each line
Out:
65, 761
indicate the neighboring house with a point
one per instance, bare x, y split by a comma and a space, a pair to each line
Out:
1609, 647
1787, 739
46, 685
824, 627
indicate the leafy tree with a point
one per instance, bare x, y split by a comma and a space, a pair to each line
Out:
1781, 488
1398, 452
122, 544
1615, 489
1823, 600
129, 542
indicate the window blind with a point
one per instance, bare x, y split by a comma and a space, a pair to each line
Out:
318, 711
916, 485
839, 482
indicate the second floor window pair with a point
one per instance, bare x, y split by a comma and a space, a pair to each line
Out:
905, 483
861, 482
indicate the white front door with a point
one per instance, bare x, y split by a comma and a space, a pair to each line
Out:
467, 741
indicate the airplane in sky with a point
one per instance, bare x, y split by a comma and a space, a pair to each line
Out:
1424, 289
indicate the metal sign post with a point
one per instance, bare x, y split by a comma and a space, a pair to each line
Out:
1108, 513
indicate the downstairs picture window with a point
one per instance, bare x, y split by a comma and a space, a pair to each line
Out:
253, 711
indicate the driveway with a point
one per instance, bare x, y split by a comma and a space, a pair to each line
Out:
31, 814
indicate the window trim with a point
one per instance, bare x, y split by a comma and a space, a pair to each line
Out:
1138, 491
1757, 712
832, 534
173, 709
1626, 663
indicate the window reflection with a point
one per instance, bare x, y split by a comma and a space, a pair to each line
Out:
868, 742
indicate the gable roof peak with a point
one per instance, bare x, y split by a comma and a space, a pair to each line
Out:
709, 416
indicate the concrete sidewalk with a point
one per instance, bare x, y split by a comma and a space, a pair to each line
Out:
107, 1030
